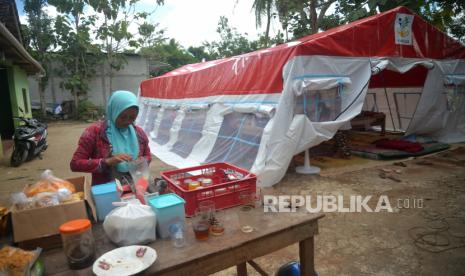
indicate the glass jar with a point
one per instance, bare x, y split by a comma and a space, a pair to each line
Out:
78, 243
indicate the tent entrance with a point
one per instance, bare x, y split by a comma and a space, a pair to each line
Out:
394, 96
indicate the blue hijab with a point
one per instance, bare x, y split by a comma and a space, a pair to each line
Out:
123, 140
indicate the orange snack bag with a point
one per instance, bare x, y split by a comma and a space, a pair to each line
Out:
48, 183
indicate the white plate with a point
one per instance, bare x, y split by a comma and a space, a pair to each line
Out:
123, 261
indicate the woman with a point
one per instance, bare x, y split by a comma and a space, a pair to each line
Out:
106, 146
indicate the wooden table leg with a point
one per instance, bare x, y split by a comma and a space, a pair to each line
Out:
306, 250
241, 269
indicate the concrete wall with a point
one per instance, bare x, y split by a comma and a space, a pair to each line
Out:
18, 81
127, 78
18, 92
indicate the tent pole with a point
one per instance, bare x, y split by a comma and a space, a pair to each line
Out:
307, 168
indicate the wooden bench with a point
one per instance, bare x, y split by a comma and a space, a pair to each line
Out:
367, 119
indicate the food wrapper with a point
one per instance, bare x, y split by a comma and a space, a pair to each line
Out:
17, 262
3, 221
48, 183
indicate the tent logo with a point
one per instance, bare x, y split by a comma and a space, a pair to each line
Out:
403, 29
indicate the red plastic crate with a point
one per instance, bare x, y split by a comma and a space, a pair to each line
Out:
228, 181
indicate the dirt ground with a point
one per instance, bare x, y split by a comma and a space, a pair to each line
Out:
386, 243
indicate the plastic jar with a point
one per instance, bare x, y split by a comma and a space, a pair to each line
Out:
193, 185
206, 182
78, 243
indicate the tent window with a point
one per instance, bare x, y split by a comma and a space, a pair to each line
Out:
320, 105
149, 123
190, 132
163, 135
239, 139
142, 114
455, 95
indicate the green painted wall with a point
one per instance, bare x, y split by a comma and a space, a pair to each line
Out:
17, 79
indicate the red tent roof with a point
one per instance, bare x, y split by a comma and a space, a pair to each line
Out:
261, 71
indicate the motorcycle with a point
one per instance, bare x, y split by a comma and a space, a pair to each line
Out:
29, 140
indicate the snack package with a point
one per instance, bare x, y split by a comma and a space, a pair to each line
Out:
21, 201
46, 199
48, 183
17, 262
130, 224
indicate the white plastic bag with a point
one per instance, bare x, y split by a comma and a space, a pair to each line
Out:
130, 224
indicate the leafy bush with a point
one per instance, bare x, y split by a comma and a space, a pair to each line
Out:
88, 110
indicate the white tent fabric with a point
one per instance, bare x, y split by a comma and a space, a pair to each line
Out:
263, 132
434, 115
257, 110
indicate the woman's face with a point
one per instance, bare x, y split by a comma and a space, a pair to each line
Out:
127, 117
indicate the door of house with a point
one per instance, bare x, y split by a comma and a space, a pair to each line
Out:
7, 127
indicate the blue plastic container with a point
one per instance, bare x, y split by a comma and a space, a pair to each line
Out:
104, 195
291, 269
169, 209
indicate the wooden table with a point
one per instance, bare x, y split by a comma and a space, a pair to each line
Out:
274, 231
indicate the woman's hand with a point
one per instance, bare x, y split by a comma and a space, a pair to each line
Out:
115, 159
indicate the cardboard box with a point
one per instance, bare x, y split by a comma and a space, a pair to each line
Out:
40, 223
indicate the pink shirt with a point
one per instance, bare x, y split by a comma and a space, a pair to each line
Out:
94, 147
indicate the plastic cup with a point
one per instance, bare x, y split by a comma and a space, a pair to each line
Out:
177, 234
208, 207
246, 218
217, 223
246, 214
201, 224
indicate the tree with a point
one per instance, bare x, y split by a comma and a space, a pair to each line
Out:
150, 35
446, 15
200, 53
231, 42
41, 41
264, 8
77, 52
304, 17
115, 35
165, 57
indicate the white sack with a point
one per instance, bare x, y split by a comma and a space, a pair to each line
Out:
130, 224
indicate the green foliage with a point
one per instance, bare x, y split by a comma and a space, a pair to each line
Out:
231, 43
77, 50
39, 40
446, 15
87, 110
200, 53
165, 57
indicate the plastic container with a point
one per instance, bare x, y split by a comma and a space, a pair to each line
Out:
104, 195
78, 243
291, 269
227, 182
169, 210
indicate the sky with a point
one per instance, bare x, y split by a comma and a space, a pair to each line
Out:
193, 22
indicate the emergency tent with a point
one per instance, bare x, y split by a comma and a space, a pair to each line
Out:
259, 109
